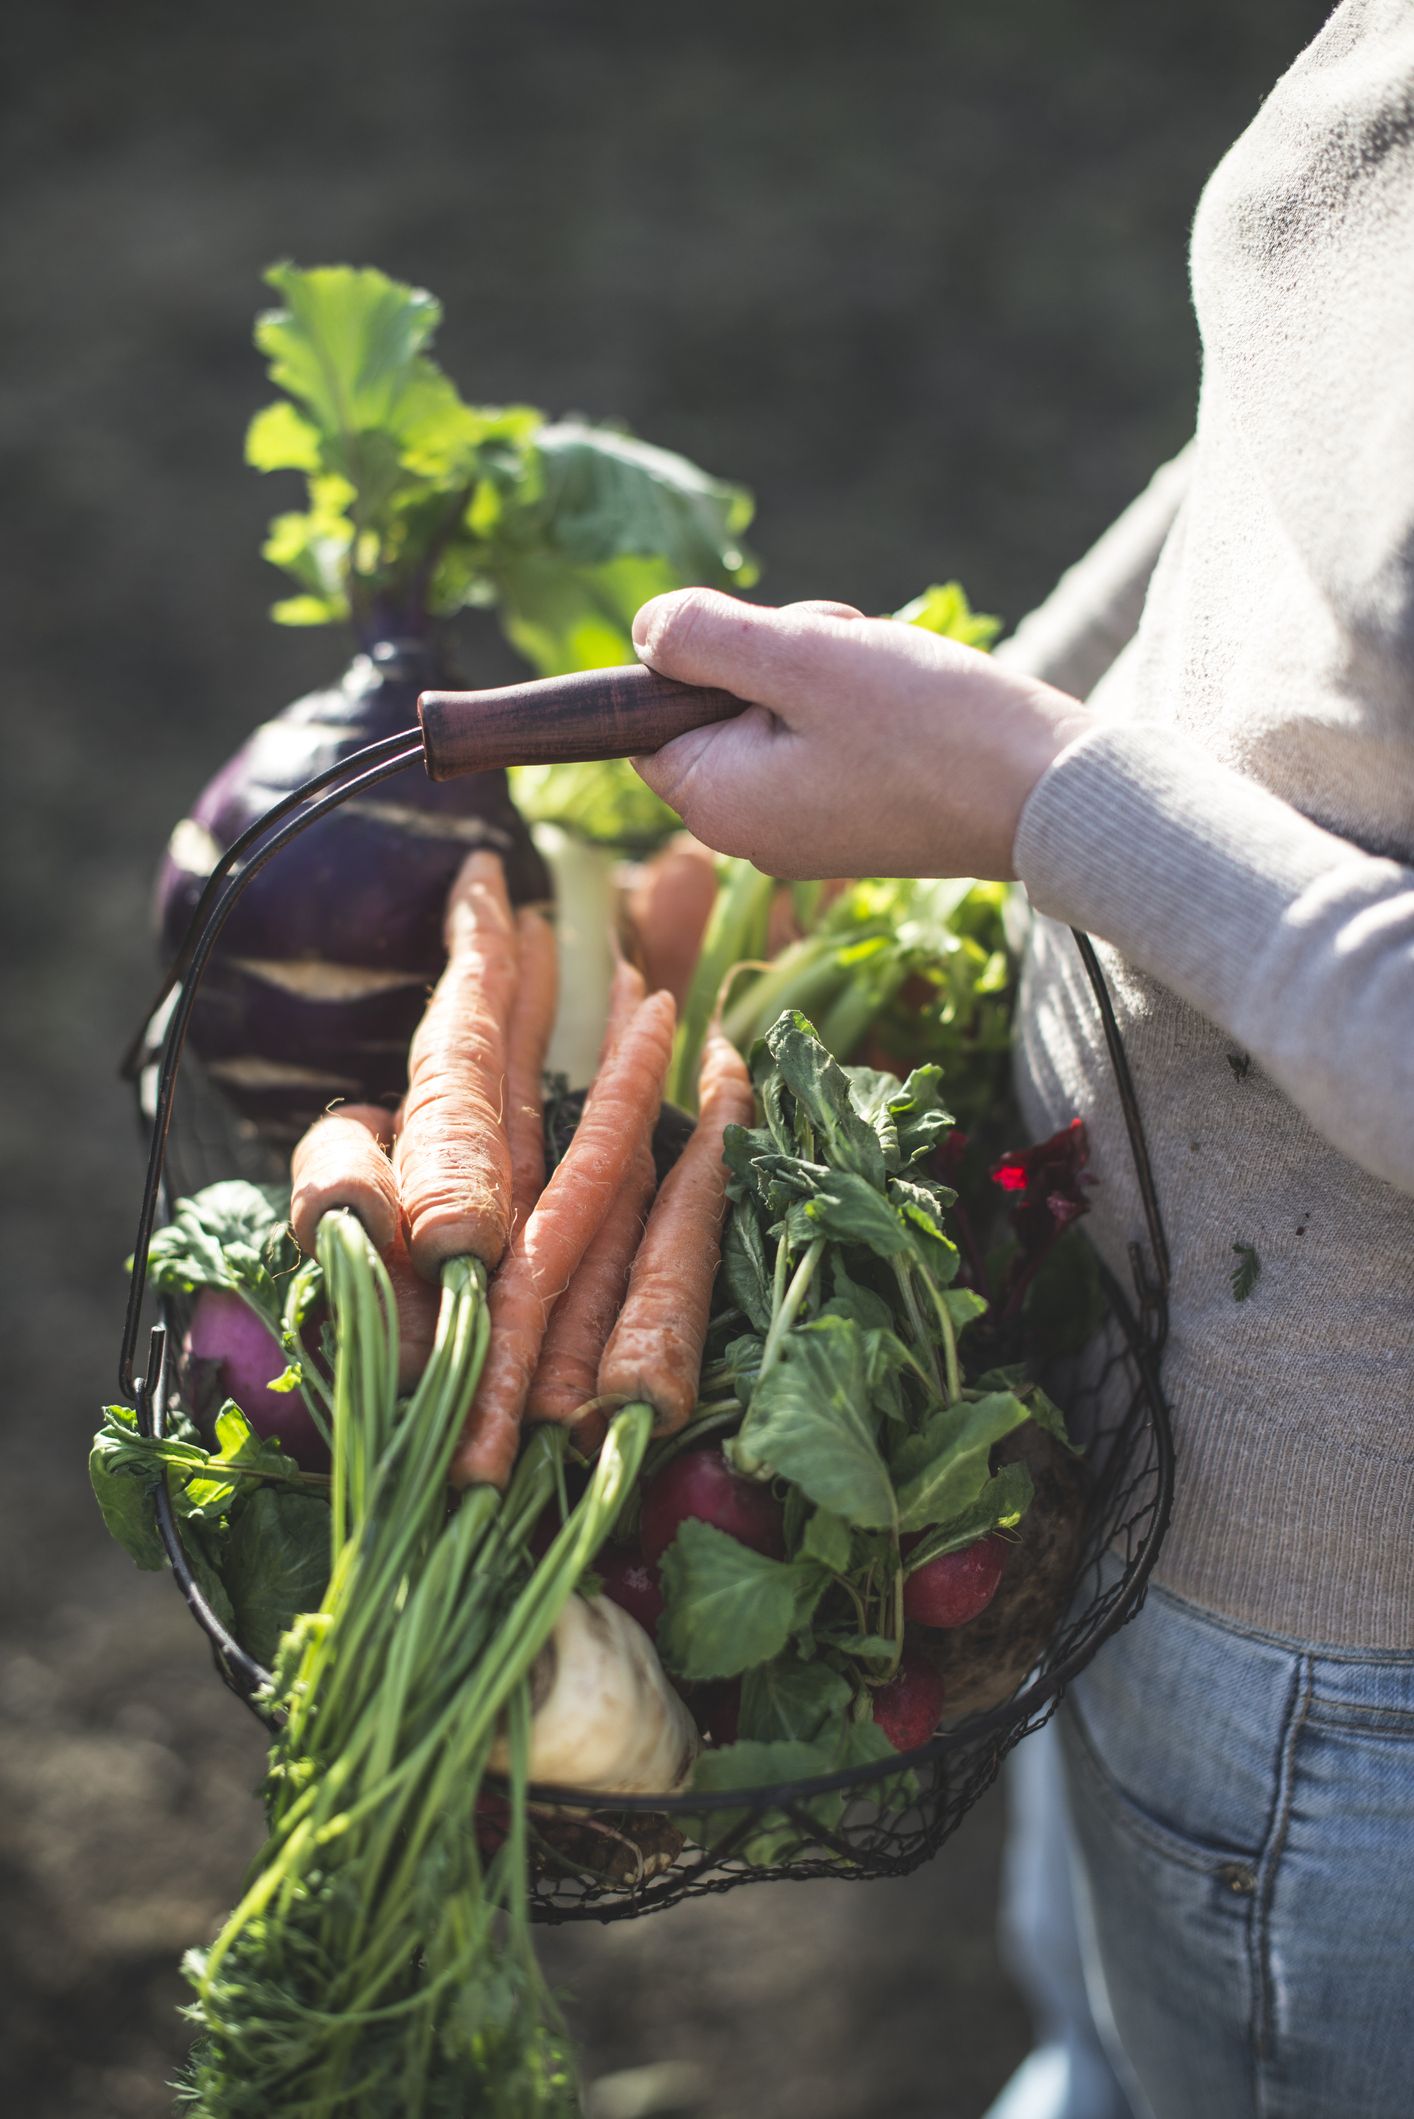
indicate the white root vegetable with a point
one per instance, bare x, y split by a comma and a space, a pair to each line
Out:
603, 1715
585, 911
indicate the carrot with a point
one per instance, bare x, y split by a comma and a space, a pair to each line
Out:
417, 1305
627, 990
342, 1161
655, 1349
667, 910
532, 1019
454, 1163
619, 1115
566, 1373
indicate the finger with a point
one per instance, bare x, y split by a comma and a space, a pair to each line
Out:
824, 608
772, 657
717, 777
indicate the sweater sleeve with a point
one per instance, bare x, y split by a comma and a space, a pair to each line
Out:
1071, 639
1296, 942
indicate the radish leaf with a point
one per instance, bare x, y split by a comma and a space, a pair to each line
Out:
727, 1607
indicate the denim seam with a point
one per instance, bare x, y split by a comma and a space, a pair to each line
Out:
1296, 1713
1361, 1717
1238, 1629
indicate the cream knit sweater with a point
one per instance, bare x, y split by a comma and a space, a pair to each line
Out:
1239, 832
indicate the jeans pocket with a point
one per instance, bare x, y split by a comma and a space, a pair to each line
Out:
1138, 1814
1168, 1923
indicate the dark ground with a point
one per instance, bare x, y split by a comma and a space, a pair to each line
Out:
915, 273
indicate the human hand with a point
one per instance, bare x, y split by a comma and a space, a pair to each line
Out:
869, 747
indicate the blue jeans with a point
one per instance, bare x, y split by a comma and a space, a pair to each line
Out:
1242, 1817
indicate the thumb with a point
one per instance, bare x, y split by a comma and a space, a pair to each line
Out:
766, 655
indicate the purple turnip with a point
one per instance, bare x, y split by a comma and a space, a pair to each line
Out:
229, 1353
702, 1484
323, 968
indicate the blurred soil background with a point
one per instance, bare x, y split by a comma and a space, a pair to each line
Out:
915, 273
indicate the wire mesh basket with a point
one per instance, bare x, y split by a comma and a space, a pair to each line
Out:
606, 1858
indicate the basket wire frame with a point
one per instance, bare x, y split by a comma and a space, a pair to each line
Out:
607, 1858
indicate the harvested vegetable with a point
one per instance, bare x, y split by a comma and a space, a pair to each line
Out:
701, 1487
603, 1715
342, 1161
655, 1349
527, 1041
955, 1587
454, 1161
617, 1125
567, 1372
418, 504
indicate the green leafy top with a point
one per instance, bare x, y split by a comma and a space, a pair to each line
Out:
419, 504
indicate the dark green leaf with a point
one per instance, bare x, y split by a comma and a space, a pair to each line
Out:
921, 1211
941, 1471
868, 1647
124, 1496
1065, 1303
1001, 1504
275, 1565
788, 1698
847, 1209
820, 1087
746, 1272
750, 1765
1245, 1273
726, 1607
827, 1539
811, 1421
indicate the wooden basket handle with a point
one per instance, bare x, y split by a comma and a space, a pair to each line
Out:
614, 713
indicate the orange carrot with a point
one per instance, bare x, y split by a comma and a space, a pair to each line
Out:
532, 1019
342, 1161
566, 1374
454, 1163
619, 1115
417, 1305
627, 990
655, 1349
667, 910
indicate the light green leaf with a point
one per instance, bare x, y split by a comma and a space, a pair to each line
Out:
811, 1421
727, 1607
944, 609
281, 439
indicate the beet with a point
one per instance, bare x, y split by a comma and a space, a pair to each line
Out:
702, 1484
910, 1706
229, 1353
956, 1587
321, 972
717, 1708
633, 1584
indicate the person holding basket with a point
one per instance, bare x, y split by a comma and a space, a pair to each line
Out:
1200, 751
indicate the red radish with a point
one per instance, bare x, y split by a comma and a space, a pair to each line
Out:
632, 1584
703, 1485
718, 1710
957, 1586
246, 1358
909, 1708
